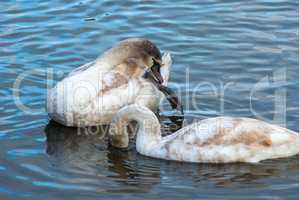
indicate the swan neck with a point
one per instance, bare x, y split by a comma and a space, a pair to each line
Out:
148, 127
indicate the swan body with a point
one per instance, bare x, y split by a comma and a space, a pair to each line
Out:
91, 94
213, 140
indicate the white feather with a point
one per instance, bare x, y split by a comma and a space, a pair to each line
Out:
77, 100
214, 140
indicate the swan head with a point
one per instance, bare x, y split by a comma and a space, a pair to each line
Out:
148, 63
153, 60
142, 54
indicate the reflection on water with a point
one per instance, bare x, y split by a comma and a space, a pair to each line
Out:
74, 149
237, 58
77, 148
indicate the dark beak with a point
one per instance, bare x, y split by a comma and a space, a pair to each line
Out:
156, 73
169, 93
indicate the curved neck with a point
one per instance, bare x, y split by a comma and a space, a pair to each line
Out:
148, 133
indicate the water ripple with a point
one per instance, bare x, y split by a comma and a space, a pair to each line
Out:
242, 46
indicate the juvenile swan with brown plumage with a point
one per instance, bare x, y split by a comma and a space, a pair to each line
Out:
91, 94
213, 140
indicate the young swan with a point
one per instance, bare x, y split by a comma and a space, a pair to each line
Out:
213, 140
92, 94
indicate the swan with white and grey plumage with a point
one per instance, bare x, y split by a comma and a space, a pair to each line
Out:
212, 140
91, 94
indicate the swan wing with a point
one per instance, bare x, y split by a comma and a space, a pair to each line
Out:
87, 88
233, 131
226, 139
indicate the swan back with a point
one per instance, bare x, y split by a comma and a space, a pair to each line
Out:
226, 139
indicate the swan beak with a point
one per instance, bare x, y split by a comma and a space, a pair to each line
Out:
169, 94
154, 73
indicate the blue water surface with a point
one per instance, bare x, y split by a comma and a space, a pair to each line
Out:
236, 58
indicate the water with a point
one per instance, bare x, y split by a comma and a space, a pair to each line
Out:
230, 58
